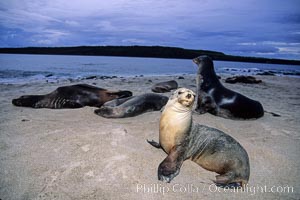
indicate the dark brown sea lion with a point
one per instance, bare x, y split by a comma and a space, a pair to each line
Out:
214, 98
242, 79
132, 106
212, 149
163, 87
74, 96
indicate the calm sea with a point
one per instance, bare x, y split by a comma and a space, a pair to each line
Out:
20, 68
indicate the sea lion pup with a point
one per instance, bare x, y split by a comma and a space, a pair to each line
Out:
214, 98
74, 96
132, 106
212, 149
163, 87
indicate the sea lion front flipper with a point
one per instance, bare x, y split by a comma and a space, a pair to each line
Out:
155, 144
207, 104
170, 166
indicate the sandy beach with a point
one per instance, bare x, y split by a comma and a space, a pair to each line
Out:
75, 154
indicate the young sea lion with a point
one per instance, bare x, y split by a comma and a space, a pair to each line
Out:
212, 149
132, 106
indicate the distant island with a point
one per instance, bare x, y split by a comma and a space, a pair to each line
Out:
142, 51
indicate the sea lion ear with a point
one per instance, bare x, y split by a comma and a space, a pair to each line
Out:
193, 93
174, 95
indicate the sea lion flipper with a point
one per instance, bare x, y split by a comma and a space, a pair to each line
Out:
273, 114
230, 185
227, 180
155, 144
170, 166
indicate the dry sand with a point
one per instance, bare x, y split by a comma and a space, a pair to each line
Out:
75, 154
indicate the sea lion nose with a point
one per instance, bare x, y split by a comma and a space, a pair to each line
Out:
195, 60
188, 96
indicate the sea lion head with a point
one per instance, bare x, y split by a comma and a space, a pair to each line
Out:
204, 63
183, 96
27, 100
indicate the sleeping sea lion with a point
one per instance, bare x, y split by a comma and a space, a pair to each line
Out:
74, 96
132, 106
163, 87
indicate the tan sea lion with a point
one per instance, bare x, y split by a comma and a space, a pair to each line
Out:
212, 149
74, 96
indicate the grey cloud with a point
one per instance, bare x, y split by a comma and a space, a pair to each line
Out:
213, 25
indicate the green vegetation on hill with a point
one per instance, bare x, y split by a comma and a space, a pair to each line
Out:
142, 51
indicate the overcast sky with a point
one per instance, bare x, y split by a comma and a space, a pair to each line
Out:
267, 28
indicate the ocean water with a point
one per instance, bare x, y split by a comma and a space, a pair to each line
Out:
20, 68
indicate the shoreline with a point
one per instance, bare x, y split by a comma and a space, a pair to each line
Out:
96, 78
31, 68
144, 52
75, 154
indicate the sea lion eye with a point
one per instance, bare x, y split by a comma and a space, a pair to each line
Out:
180, 92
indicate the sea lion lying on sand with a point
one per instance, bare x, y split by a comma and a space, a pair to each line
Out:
74, 96
132, 106
163, 87
242, 79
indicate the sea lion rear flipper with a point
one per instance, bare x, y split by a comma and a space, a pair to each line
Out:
229, 185
273, 114
155, 144
227, 180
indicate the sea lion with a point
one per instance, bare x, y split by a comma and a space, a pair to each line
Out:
242, 79
132, 106
163, 87
74, 96
214, 98
210, 148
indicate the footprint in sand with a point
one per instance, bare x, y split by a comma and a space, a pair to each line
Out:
85, 148
118, 136
114, 169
